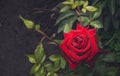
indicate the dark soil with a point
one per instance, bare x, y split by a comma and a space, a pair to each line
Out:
15, 40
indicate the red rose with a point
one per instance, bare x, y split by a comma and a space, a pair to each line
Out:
80, 45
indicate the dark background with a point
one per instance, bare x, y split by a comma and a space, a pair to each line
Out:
15, 40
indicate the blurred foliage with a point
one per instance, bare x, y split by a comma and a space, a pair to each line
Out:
98, 14
41, 67
110, 15
94, 12
78, 10
101, 14
111, 41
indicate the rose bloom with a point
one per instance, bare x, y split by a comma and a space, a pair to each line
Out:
80, 45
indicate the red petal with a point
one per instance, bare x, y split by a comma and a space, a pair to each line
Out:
72, 65
94, 48
91, 62
71, 54
65, 35
92, 31
79, 50
68, 52
79, 26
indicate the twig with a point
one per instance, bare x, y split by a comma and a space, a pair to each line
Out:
109, 41
46, 36
78, 11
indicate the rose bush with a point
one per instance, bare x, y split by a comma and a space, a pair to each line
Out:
80, 45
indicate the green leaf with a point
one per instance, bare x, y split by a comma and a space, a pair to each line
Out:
84, 10
54, 57
55, 74
112, 5
67, 28
112, 71
85, 4
70, 20
91, 8
35, 68
42, 70
49, 66
37, 27
43, 59
56, 65
28, 23
71, 1
96, 24
50, 74
84, 20
117, 46
91, 74
97, 13
66, 3
79, 3
100, 68
63, 63
64, 15
73, 6
39, 53
110, 57
65, 8
37, 74
61, 26
31, 58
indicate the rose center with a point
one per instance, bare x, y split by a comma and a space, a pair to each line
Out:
77, 41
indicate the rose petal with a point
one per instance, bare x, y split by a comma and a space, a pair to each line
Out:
67, 35
75, 34
94, 47
92, 31
73, 59
91, 62
79, 50
67, 51
79, 26
71, 54
72, 65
